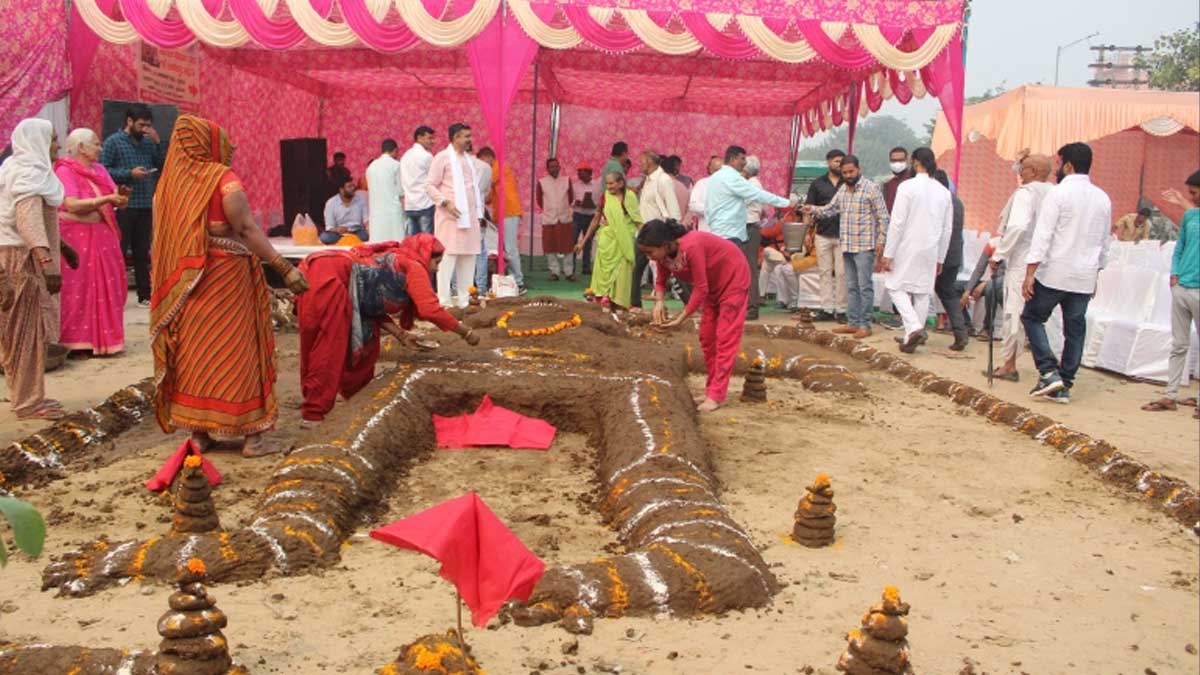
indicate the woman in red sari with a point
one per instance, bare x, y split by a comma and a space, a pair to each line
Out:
354, 295
92, 301
210, 316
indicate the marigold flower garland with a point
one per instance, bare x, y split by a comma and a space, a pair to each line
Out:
502, 322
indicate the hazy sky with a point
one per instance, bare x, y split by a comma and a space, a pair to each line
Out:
1012, 42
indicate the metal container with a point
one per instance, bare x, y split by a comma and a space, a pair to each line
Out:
793, 236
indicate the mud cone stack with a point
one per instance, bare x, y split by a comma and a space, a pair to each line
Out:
879, 647
754, 389
192, 641
814, 515
804, 318
195, 512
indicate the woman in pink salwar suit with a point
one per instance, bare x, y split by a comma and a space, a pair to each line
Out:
93, 296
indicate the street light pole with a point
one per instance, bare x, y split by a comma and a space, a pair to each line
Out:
1059, 50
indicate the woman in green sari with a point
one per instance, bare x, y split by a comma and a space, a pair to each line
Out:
612, 273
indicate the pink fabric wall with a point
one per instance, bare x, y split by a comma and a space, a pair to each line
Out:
33, 53
256, 112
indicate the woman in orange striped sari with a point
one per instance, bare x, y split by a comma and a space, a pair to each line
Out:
210, 321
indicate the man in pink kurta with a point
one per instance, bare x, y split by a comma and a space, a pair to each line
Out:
457, 215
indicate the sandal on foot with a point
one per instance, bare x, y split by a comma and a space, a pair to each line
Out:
1160, 405
46, 410
1008, 377
1189, 402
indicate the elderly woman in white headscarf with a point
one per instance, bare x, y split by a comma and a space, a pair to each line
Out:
93, 296
30, 193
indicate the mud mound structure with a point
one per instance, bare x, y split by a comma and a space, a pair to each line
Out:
1168, 494
815, 519
682, 552
42, 457
437, 654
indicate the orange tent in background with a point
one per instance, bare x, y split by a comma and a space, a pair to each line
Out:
1144, 142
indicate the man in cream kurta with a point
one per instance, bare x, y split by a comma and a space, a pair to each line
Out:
384, 195
917, 241
457, 215
1016, 230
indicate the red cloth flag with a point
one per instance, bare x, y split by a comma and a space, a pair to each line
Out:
162, 480
484, 560
491, 425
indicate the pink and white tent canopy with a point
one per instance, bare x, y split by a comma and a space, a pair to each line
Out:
821, 62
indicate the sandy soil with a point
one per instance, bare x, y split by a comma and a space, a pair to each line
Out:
1013, 557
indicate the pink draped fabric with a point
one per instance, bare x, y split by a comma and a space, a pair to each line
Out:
266, 31
82, 44
165, 33
715, 41
499, 57
593, 32
92, 302
383, 37
874, 96
33, 38
900, 89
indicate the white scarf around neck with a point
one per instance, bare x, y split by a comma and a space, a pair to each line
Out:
460, 188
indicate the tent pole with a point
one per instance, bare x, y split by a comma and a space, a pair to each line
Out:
793, 151
854, 100
533, 164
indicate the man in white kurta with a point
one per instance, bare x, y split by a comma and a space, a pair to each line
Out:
917, 240
1016, 231
385, 195
458, 211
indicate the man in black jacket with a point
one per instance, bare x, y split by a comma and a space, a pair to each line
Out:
944, 284
825, 239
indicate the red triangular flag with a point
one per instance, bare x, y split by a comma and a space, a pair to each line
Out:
491, 425
484, 560
162, 480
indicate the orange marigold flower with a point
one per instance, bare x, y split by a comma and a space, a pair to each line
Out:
891, 594
822, 479
193, 461
196, 566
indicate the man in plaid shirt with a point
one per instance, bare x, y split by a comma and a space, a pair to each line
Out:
864, 222
134, 157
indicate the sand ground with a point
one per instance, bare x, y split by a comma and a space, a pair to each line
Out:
1014, 558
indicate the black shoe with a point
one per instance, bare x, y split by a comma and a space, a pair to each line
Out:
910, 343
822, 315
892, 323
960, 343
1048, 383
841, 317
752, 314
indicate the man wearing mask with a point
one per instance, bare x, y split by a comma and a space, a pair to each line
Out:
901, 171
134, 157
1068, 249
825, 239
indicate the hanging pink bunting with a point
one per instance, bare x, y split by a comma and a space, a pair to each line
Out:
833, 52
874, 97
808, 125
715, 41
380, 37
263, 29
600, 36
900, 88
165, 33
836, 105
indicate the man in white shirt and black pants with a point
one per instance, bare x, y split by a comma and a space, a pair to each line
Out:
1067, 252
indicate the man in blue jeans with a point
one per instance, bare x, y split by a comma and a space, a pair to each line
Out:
1067, 252
414, 178
863, 226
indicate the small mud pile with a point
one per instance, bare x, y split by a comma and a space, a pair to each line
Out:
195, 512
41, 457
815, 374
754, 388
879, 647
437, 654
193, 643
815, 517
